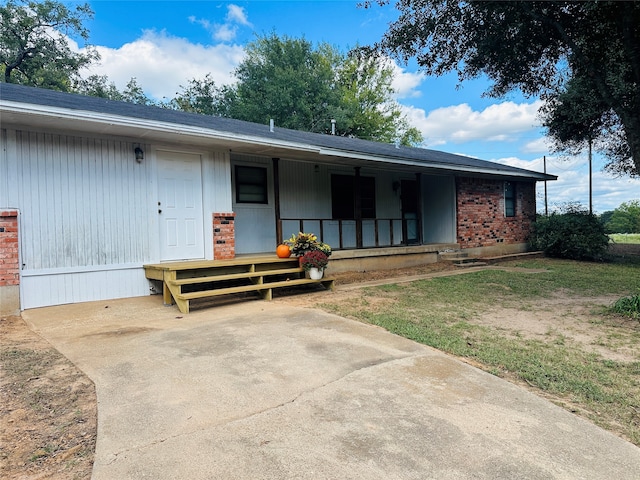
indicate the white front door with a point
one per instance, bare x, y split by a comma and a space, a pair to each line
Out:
180, 206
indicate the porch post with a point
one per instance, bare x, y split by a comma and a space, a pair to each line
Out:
276, 198
357, 207
419, 207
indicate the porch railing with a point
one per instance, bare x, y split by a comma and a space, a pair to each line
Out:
353, 233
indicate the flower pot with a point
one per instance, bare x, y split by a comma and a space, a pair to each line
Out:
316, 273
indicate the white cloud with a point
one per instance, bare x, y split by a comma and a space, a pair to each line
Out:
238, 15
540, 145
227, 31
404, 83
461, 124
161, 63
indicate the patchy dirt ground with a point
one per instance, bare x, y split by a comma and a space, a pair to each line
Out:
578, 320
48, 413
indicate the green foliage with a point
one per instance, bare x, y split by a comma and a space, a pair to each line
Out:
99, 86
625, 218
287, 80
581, 57
34, 49
202, 96
303, 87
301, 243
366, 109
628, 306
576, 235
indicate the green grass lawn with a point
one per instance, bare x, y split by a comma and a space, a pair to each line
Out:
625, 237
443, 313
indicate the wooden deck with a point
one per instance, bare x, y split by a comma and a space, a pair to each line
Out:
191, 280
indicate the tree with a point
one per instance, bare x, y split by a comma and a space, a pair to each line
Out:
34, 49
625, 218
99, 86
285, 79
554, 49
204, 97
304, 88
368, 110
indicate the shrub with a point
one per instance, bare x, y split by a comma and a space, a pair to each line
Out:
628, 306
576, 234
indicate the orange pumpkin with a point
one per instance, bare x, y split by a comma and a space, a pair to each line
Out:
283, 251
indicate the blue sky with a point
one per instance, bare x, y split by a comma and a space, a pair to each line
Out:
166, 43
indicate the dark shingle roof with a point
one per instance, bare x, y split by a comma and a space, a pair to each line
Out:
388, 152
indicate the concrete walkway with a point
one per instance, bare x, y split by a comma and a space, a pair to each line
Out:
261, 390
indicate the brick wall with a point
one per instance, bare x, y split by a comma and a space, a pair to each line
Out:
480, 212
9, 259
224, 236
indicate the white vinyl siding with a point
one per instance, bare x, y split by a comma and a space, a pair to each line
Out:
255, 223
438, 209
83, 201
88, 213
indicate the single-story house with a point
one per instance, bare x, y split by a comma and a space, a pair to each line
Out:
92, 189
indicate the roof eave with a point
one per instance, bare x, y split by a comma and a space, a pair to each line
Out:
233, 139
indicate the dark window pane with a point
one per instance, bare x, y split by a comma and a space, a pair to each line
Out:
368, 197
509, 200
251, 185
343, 197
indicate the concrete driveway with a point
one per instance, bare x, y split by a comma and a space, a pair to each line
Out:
261, 390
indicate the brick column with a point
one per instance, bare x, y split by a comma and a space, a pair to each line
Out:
9, 263
224, 236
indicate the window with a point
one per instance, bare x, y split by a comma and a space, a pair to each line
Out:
343, 197
251, 185
509, 199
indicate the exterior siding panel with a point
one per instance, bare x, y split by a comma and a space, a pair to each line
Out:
85, 216
83, 201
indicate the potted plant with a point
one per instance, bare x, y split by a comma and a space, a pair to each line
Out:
302, 243
314, 262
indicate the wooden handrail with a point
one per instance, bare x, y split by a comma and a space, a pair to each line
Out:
377, 223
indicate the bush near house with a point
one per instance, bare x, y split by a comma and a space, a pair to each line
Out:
576, 235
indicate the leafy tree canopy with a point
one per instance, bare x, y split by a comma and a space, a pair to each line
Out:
99, 86
304, 88
625, 218
572, 54
34, 49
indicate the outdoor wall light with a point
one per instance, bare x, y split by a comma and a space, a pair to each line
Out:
139, 154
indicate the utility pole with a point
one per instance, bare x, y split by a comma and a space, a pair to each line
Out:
546, 205
590, 180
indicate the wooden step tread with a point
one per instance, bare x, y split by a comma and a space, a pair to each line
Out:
206, 264
233, 276
250, 288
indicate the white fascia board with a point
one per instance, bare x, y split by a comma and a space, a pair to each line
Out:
144, 124
186, 130
433, 165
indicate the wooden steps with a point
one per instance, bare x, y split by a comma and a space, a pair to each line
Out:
183, 282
